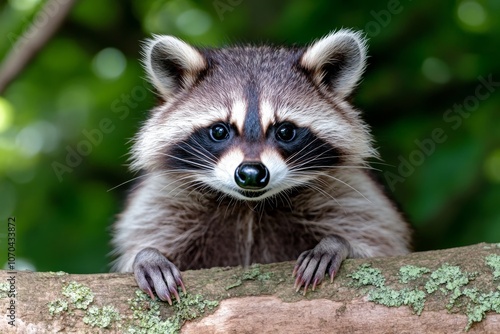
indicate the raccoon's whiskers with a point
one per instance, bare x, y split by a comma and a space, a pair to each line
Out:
189, 162
305, 168
145, 175
230, 205
315, 187
348, 185
184, 185
380, 163
286, 198
357, 167
326, 194
302, 165
220, 199
209, 157
128, 181
200, 187
290, 158
186, 175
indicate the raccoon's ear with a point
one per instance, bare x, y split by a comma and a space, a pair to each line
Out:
336, 61
171, 64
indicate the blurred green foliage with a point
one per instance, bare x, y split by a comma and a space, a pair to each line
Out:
426, 58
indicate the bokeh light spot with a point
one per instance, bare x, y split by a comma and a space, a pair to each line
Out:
24, 4
436, 70
194, 22
492, 166
30, 140
6, 114
109, 63
471, 13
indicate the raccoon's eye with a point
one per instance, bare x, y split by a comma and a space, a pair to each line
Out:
219, 132
285, 132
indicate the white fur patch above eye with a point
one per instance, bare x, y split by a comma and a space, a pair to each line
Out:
266, 115
238, 114
338, 58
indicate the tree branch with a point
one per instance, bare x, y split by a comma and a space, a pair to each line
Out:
45, 24
445, 291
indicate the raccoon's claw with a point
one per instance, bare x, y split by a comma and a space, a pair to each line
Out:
311, 268
154, 272
326, 257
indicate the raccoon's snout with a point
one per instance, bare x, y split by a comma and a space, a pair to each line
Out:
251, 175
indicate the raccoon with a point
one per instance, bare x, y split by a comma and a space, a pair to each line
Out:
255, 155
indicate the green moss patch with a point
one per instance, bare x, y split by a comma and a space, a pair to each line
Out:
58, 306
253, 273
79, 295
381, 294
4, 290
146, 313
410, 273
101, 317
493, 261
449, 280
391, 297
366, 275
147, 318
480, 303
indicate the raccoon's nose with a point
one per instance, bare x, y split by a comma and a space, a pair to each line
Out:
251, 175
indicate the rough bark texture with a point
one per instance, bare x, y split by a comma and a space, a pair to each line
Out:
454, 289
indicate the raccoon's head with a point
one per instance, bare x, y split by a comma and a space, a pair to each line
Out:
251, 122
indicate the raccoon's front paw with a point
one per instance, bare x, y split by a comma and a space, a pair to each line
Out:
327, 256
154, 272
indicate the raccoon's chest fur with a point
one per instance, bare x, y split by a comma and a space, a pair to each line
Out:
231, 234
